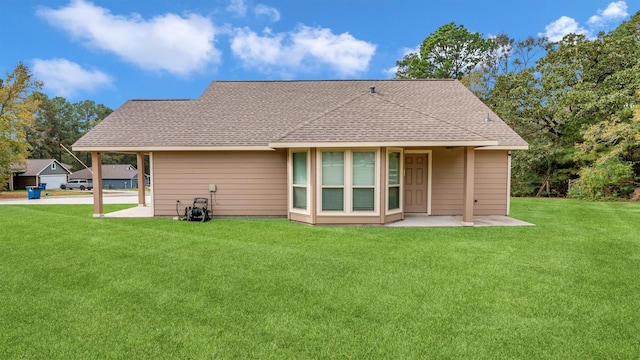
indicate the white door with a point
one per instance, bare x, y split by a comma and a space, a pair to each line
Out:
53, 181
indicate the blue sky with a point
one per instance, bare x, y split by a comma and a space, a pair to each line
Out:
110, 51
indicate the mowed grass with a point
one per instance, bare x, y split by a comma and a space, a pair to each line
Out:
76, 287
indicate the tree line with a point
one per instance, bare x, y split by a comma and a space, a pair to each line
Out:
575, 101
35, 126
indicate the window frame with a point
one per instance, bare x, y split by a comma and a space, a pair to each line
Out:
291, 185
354, 186
400, 182
342, 186
347, 187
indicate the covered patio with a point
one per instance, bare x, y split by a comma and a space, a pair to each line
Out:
98, 191
421, 221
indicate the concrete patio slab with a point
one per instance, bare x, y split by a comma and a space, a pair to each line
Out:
134, 212
456, 221
147, 211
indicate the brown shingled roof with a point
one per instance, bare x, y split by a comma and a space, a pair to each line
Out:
35, 166
280, 113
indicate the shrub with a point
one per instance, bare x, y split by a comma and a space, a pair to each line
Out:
607, 179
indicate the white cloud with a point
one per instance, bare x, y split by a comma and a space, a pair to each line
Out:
240, 8
561, 27
406, 51
65, 78
176, 44
253, 48
272, 13
614, 11
237, 7
304, 50
390, 72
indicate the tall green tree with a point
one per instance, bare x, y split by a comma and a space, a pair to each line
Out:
505, 56
54, 125
17, 107
579, 84
60, 123
87, 115
451, 52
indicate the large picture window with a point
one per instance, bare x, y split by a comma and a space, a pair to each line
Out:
393, 181
349, 181
299, 180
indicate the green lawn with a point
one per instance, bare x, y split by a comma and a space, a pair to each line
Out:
75, 287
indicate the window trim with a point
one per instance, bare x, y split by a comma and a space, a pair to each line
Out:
321, 186
374, 187
400, 185
348, 183
291, 185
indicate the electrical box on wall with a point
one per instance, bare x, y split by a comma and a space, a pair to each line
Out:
213, 188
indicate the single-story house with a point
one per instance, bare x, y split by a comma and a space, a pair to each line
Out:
114, 176
38, 171
318, 152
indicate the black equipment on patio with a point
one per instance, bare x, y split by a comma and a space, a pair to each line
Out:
199, 211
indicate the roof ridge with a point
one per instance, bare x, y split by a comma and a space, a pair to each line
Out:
159, 100
305, 123
326, 80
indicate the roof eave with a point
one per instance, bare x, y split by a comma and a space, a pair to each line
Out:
136, 149
505, 147
353, 144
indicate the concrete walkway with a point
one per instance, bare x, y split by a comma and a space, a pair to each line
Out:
137, 212
109, 197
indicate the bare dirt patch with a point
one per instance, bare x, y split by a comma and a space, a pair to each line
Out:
13, 194
22, 194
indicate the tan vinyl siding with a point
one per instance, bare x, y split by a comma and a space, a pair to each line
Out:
300, 217
490, 190
491, 182
447, 181
249, 183
393, 217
